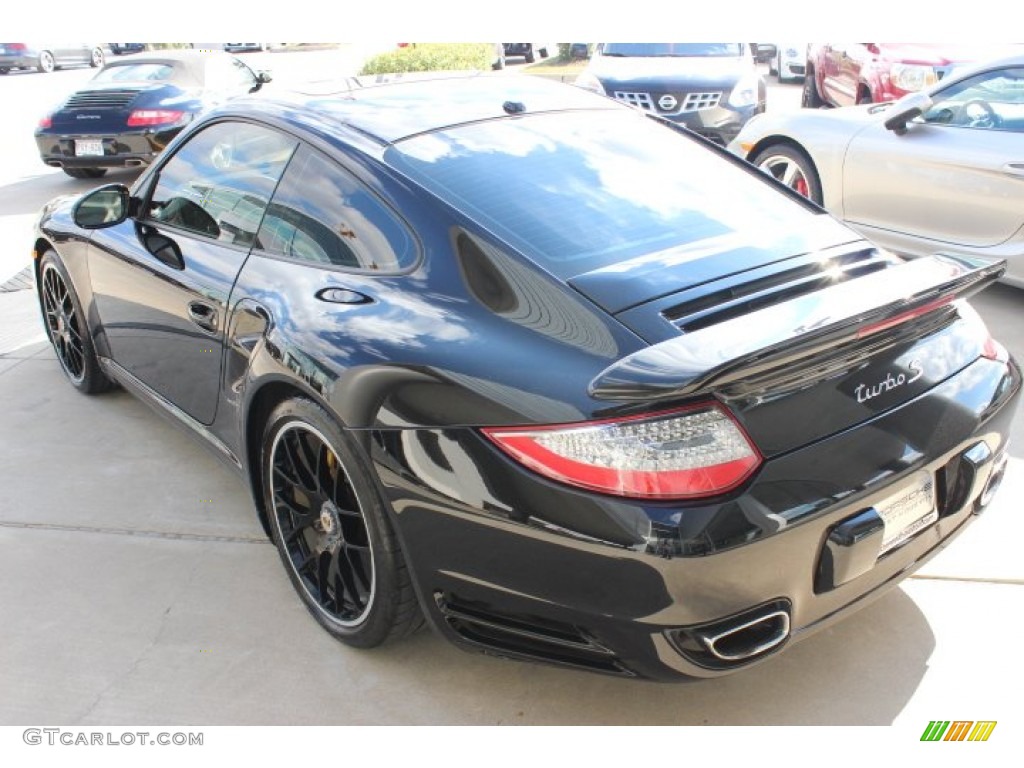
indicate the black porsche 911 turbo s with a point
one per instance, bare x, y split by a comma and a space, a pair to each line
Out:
132, 108
563, 380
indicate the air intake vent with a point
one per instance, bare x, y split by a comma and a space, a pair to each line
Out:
102, 99
527, 637
746, 296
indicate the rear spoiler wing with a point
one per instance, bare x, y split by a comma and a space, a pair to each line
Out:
794, 329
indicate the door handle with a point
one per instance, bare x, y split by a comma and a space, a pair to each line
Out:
203, 315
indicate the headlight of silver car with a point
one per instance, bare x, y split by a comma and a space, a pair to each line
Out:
912, 77
744, 93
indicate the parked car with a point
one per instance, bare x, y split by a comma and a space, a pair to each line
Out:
47, 57
841, 74
240, 47
711, 88
942, 172
120, 49
765, 52
530, 51
133, 107
789, 64
636, 409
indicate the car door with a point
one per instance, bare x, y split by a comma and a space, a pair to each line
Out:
162, 280
956, 176
841, 76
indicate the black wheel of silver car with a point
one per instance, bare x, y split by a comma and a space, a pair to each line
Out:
330, 526
809, 96
66, 327
4, 70
792, 167
96, 59
530, 55
85, 173
46, 62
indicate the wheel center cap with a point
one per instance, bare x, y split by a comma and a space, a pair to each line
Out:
329, 519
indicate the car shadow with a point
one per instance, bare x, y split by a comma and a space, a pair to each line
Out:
878, 657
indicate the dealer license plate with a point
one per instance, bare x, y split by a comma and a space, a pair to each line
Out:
88, 147
908, 512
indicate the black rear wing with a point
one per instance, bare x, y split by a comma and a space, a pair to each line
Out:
793, 330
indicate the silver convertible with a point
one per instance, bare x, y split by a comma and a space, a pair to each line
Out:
939, 171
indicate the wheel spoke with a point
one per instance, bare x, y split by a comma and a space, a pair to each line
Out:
789, 173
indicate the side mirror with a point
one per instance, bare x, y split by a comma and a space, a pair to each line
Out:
906, 109
103, 207
262, 78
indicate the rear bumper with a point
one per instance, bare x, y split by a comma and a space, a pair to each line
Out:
22, 61
523, 568
125, 149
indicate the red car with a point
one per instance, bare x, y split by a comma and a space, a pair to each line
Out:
840, 74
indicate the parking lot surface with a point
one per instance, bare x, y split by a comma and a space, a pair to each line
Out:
137, 585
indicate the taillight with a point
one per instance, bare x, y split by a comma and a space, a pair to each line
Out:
46, 122
144, 117
683, 454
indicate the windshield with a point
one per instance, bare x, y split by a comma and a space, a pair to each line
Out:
582, 190
672, 49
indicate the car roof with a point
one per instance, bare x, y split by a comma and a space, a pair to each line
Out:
393, 107
189, 66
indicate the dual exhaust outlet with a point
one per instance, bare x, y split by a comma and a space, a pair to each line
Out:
738, 639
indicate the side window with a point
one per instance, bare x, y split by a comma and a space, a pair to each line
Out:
321, 214
990, 100
218, 184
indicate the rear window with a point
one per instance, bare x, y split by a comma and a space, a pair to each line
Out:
135, 72
583, 190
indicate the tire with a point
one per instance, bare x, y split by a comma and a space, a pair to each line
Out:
773, 68
4, 70
331, 528
46, 62
809, 96
791, 167
530, 56
864, 96
96, 58
499, 63
85, 173
544, 53
67, 329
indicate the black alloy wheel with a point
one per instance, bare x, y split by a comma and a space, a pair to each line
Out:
66, 328
331, 531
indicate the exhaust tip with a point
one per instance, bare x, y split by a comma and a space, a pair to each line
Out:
995, 479
749, 639
736, 640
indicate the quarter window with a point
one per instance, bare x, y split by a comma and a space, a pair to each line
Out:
321, 214
219, 183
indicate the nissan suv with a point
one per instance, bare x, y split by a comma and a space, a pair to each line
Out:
711, 88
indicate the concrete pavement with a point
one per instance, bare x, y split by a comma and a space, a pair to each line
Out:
136, 587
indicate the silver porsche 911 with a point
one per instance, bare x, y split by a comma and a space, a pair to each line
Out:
939, 171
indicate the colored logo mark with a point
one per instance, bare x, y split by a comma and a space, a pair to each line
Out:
958, 730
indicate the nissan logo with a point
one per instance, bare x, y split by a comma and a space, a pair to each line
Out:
667, 102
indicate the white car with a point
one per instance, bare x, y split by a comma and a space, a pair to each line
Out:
789, 64
939, 171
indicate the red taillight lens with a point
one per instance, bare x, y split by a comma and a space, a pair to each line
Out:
16, 47
680, 455
46, 122
144, 117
